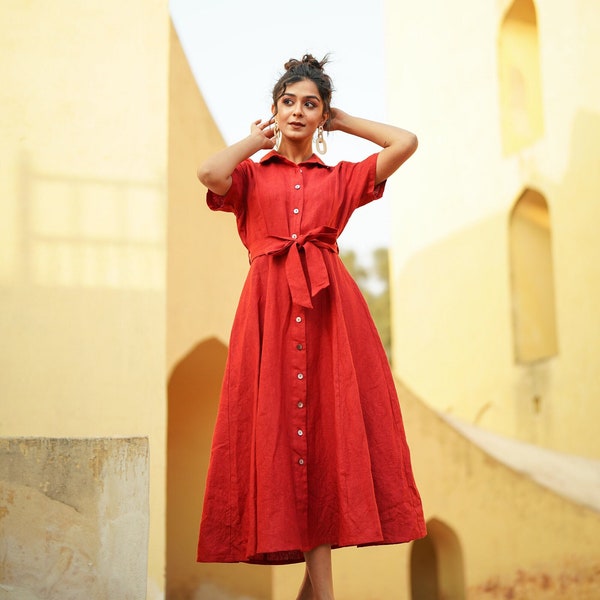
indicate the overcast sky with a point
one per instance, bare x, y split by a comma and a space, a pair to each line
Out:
237, 48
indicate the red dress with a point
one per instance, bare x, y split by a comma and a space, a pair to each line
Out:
309, 445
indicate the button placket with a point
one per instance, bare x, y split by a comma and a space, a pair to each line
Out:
297, 200
298, 375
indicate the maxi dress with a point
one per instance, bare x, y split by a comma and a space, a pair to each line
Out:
309, 445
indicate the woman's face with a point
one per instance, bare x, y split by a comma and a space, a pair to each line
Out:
300, 110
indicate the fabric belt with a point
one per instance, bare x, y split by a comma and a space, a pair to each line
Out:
303, 285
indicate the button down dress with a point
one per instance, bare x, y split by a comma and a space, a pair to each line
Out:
309, 445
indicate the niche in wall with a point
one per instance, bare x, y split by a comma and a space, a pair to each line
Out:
520, 81
532, 279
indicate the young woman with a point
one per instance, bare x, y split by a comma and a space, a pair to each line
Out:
309, 451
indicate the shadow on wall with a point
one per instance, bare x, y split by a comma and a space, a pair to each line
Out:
85, 232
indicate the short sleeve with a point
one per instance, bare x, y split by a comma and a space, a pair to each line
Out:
235, 199
360, 181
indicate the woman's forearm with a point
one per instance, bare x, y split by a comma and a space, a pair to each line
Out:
398, 144
215, 172
379, 133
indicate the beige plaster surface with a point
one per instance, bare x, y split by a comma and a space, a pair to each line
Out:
573, 477
73, 518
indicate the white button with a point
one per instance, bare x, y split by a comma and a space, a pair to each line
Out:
297, 186
300, 404
300, 376
301, 171
294, 236
301, 461
298, 319
296, 211
300, 432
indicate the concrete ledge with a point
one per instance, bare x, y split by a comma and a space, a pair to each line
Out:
574, 477
73, 518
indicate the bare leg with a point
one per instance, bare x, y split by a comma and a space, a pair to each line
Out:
318, 574
306, 591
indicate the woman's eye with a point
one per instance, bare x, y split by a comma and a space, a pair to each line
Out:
309, 105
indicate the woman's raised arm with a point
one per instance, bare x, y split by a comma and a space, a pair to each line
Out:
215, 172
398, 144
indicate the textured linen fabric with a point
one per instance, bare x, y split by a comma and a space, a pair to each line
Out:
309, 445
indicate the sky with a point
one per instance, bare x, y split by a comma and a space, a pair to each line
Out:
237, 48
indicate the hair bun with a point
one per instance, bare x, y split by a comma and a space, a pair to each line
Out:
307, 59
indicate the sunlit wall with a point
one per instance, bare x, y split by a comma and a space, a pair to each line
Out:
83, 159
206, 265
506, 103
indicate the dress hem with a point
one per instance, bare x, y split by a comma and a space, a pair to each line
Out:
297, 556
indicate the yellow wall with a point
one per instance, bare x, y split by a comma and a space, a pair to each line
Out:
117, 281
453, 338
377, 573
516, 539
82, 226
206, 260
206, 267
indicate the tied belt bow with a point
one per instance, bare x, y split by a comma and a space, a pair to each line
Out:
303, 285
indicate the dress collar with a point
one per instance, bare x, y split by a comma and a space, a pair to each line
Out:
273, 155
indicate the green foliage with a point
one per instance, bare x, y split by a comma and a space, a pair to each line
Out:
374, 283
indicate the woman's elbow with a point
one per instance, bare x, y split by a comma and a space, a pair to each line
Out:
404, 146
203, 173
412, 143
213, 181
408, 147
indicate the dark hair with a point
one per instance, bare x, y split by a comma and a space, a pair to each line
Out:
307, 68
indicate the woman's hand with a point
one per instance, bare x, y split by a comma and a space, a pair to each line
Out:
264, 133
215, 172
336, 119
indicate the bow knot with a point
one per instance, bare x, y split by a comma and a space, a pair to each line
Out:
303, 285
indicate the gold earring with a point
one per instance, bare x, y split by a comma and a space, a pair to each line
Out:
320, 144
276, 135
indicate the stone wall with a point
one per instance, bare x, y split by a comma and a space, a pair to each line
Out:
73, 518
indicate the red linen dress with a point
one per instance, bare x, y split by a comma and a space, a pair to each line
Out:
309, 445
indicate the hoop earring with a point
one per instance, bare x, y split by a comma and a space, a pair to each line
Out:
276, 136
320, 143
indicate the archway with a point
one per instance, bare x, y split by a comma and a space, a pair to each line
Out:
193, 395
436, 565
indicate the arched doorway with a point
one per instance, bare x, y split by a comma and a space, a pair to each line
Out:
436, 565
193, 394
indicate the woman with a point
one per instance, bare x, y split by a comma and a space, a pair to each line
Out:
309, 451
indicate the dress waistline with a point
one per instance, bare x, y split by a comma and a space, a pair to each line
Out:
303, 285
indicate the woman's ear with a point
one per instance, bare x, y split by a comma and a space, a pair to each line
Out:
273, 110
